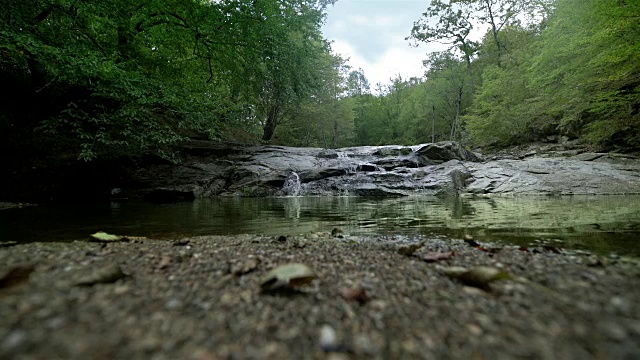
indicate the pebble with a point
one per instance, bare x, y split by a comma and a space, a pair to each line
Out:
328, 339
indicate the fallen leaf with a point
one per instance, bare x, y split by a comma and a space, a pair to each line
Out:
410, 249
357, 294
103, 237
287, 276
437, 256
481, 276
16, 276
103, 275
165, 262
552, 249
239, 268
469, 240
455, 271
134, 238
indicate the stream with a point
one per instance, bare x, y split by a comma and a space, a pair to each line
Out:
602, 224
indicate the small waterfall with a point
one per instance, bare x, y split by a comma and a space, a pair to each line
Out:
351, 166
291, 186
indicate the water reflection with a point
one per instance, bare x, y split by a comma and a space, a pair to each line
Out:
601, 223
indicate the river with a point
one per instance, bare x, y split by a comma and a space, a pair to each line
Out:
602, 224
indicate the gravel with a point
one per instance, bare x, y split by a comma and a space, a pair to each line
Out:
200, 298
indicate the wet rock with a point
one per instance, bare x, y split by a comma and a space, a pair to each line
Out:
209, 169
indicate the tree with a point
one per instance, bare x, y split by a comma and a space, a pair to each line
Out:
453, 25
123, 77
497, 14
587, 67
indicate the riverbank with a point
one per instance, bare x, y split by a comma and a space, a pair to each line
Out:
201, 298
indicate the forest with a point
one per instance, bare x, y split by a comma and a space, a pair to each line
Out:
86, 80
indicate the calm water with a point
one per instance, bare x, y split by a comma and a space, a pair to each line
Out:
599, 223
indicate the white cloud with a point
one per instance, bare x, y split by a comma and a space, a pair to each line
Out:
372, 35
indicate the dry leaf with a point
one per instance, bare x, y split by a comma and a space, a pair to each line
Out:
165, 262
287, 276
357, 294
244, 267
106, 274
481, 276
16, 276
410, 249
437, 256
103, 237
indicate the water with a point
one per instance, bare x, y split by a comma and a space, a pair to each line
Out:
602, 224
291, 186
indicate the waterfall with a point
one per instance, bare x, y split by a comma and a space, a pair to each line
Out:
351, 166
291, 186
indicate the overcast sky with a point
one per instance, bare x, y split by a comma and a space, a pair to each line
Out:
371, 33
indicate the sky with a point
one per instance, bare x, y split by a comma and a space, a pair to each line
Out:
371, 33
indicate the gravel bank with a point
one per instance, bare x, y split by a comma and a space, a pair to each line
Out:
200, 298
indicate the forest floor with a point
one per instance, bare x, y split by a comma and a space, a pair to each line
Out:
201, 298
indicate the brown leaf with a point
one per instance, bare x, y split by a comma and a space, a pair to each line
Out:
481, 276
469, 240
410, 249
165, 262
244, 267
134, 238
552, 249
357, 294
104, 274
16, 276
437, 256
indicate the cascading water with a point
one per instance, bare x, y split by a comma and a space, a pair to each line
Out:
291, 186
351, 166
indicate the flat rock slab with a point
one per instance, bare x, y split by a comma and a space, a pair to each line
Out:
210, 169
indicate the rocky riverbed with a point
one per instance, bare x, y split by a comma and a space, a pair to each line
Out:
210, 170
370, 297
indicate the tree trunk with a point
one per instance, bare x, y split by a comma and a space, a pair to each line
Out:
494, 28
433, 124
270, 125
456, 121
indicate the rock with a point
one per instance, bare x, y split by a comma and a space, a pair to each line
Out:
209, 169
588, 156
445, 151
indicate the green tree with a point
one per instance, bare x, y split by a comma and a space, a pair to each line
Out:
587, 69
505, 110
124, 77
450, 23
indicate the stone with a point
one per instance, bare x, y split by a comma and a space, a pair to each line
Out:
211, 169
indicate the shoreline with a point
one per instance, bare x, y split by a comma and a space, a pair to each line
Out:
201, 298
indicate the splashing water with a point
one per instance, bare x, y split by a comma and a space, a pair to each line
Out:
291, 186
351, 166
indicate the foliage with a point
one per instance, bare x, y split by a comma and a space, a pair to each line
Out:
587, 70
124, 77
